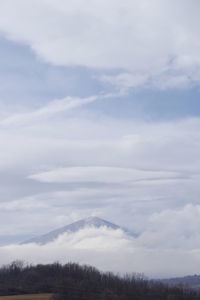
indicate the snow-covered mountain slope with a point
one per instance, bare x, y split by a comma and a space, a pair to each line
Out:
73, 228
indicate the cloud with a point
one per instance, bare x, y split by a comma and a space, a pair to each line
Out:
176, 228
148, 41
22, 205
56, 168
60, 161
82, 164
102, 174
125, 81
50, 109
108, 250
163, 81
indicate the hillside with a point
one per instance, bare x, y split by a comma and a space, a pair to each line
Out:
74, 282
192, 281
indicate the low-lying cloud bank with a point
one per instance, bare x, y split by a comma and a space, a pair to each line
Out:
114, 250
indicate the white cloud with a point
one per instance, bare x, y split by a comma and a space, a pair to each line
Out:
109, 250
22, 205
137, 174
170, 228
149, 40
161, 81
103, 174
50, 109
60, 162
88, 164
125, 81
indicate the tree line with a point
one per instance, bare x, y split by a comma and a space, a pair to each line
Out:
74, 282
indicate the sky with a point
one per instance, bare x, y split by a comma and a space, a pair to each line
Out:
100, 115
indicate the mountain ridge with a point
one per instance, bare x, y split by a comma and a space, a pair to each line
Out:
74, 227
192, 281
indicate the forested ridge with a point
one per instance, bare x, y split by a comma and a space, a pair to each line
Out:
74, 282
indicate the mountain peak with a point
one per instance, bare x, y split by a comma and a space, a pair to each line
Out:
96, 222
92, 218
91, 221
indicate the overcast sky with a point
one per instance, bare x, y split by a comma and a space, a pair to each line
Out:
100, 115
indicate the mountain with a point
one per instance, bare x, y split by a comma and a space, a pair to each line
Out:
72, 228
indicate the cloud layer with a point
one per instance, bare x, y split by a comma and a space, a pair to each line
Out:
113, 250
153, 43
62, 158
72, 164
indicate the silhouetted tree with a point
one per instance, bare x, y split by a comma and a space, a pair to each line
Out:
74, 282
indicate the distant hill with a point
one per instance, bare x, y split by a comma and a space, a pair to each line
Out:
192, 281
90, 222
